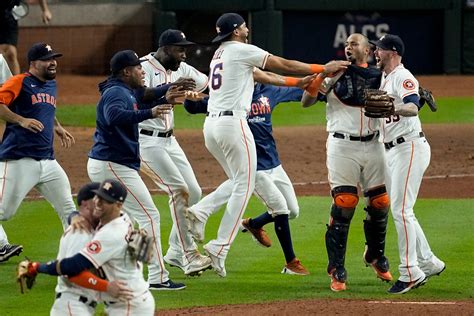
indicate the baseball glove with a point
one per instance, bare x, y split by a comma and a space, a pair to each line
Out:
427, 97
140, 246
378, 103
26, 274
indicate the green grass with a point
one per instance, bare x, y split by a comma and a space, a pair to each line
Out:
450, 110
254, 272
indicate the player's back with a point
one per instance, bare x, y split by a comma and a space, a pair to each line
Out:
231, 76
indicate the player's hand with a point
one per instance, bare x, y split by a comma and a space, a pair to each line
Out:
119, 289
31, 124
80, 223
175, 95
161, 110
335, 65
46, 16
66, 138
306, 81
185, 83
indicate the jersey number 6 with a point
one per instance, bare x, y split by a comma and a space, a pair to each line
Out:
216, 77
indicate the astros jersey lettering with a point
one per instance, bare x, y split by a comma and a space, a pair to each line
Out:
231, 76
157, 75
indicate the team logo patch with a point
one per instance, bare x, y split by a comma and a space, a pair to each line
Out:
94, 247
408, 84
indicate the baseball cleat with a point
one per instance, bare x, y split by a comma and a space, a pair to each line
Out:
258, 234
338, 279
197, 265
295, 267
435, 267
174, 262
167, 286
7, 251
217, 264
195, 226
401, 287
380, 267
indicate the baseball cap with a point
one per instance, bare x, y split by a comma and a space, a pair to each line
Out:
87, 192
42, 51
390, 42
124, 58
173, 37
226, 24
112, 191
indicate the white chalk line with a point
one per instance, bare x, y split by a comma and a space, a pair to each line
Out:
154, 190
413, 303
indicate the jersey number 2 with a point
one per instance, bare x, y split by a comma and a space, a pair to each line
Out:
216, 77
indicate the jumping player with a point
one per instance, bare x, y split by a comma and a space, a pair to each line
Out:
354, 157
272, 185
28, 105
407, 155
115, 152
226, 132
108, 253
163, 160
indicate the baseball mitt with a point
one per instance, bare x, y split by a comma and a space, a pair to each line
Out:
140, 246
378, 103
26, 274
427, 97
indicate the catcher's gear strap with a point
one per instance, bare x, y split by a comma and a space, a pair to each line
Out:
140, 245
90, 281
345, 196
351, 85
378, 198
341, 215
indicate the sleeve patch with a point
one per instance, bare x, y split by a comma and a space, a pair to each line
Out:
94, 247
409, 84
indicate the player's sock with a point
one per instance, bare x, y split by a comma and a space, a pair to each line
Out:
282, 230
260, 221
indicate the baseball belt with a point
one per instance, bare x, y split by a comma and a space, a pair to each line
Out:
223, 113
81, 299
355, 138
159, 134
401, 140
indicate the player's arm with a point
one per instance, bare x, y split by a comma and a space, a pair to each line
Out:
195, 107
66, 138
46, 15
409, 107
279, 64
266, 77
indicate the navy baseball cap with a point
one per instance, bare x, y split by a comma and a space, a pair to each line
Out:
173, 37
42, 51
226, 24
87, 192
112, 191
390, 42
124, 58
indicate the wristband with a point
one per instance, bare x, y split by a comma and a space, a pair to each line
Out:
291, 81
316, 68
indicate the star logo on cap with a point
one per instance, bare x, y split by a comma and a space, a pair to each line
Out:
136, 54
184, 36
48, 47
382, 38
107, 186
218, 29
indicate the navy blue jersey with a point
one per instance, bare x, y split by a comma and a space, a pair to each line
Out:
29, 97
117, 118
265, 98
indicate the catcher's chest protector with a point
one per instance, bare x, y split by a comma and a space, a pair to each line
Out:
350, 86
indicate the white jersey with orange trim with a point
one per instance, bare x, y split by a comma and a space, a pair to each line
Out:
231, 78
399, 83
156, 75
342, 118
108, 252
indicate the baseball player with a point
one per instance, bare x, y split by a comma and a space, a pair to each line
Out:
354, 157
71, 297
407, 155
28, 105
108, 253
226, 132
272, 185
115, 152
163, 160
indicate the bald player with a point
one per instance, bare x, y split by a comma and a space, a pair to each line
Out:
354, 157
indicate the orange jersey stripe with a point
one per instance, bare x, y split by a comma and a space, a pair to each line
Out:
11, 89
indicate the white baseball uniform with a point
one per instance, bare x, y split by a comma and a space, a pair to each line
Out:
71, 298
108, 252
165, 162
406, 161
351, 162
227, 135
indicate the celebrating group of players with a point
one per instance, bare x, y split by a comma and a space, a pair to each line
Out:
384, 156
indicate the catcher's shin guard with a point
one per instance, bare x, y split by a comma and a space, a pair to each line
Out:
336, 236
375, 224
